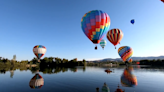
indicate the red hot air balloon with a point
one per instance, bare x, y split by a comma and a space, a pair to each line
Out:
162, 1
138, 63
115, 36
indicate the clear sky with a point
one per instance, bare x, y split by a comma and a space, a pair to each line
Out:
56, 24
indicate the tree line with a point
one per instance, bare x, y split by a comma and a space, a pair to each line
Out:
52, 62
154, 62
45, 62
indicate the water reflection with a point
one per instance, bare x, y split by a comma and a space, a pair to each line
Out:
108, 71
119, 90
36, 82
11, 72
105, 88
127, 78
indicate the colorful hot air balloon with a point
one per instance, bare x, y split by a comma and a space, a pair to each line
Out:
39, 51
128, 79
132, 21
37, 81
125, 53
102, 43
130, 61
115, 36
95, 25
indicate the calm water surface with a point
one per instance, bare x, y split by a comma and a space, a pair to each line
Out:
148, 80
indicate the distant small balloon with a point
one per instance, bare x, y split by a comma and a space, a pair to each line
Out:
39, 51
102, 43
132, 21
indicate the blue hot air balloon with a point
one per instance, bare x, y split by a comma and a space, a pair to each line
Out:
132, 21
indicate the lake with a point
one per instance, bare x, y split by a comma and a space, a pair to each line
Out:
84, 80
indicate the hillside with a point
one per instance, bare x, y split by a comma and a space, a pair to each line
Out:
134, 58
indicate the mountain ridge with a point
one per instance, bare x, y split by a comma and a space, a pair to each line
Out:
134, 58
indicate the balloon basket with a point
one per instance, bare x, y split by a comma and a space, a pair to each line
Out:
96, 48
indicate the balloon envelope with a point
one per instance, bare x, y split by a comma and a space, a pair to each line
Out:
125, 53
162, 1
95, 25
130, 60
37, 81
39, 51
138, 63
115, 36
102, 43
132, 21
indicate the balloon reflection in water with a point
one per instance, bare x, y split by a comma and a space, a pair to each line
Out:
127, 78
105, 88
119, 90
37, 81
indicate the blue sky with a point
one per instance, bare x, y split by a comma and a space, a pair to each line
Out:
56, 24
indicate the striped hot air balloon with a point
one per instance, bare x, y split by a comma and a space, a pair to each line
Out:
95, 25
102, 43
39, 51
36, 82
125, 53
115, 36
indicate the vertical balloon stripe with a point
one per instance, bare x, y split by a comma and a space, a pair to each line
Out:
105, 25
102, 24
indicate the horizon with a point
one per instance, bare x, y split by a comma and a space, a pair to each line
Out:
102, 58
57, 26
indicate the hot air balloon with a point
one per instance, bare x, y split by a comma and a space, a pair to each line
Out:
128, 79
132, 21
102, 43
37, 81
105, 88
115, 36
95, 25
39, 51
130, 61
125, 53
162, 1
138, 63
